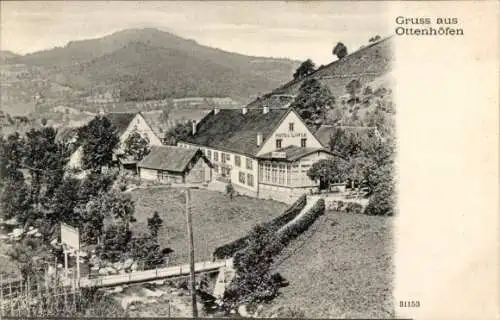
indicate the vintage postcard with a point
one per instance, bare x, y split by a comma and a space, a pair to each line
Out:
255, 159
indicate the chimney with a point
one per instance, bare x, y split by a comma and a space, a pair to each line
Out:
216, 110
244, 110
259, 139
194, 126
265, 110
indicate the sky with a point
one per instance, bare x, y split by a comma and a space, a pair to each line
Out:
296, 30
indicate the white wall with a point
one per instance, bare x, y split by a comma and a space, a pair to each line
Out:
143, 128
75, 160
289, 138
147, 174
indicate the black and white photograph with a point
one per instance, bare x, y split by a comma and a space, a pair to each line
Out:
199, 159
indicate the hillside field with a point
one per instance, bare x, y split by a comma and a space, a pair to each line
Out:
217, 220
340, 268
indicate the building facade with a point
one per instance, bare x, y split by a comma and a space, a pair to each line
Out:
174, 165
263, 152
125, 124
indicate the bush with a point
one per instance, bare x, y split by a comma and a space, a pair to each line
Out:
353, 207
347, 207
382, 202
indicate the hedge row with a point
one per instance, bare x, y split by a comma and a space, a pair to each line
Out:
228, 250
289, 214
347, 207
292, 231
254, 281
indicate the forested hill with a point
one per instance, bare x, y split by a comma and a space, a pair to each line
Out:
356, 89
152, 64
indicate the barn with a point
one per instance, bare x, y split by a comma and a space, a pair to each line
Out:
169, 164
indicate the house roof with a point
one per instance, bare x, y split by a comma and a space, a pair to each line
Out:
292, 153
168, 158
324, 132
231, 130
154, 120
120, 120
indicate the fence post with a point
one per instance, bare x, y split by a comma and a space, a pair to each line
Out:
1, 296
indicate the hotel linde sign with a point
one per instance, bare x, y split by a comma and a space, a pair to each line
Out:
291, 135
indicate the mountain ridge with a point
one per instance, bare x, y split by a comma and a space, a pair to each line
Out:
95, 65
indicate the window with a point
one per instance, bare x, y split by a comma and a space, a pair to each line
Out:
281, 175
274, 173
249, 164
237, 161
223, 157
209, 154
250, 180
225, 172
278, 143
268, 172
216, 156
290, 126
303, 142
241, 177
228, 157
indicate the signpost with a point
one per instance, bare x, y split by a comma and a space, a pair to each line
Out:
70, 238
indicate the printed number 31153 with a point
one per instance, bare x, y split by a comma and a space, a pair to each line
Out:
409, 304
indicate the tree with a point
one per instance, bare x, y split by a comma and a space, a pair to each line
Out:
375, 38
45, 159
98, 139
11, 157
136, 146
312, 101
118, 206
328, 170
61, 208
353, 88
146, 248
307, 67
178, 133
115, 243
92, 219
154, 224
16, 201
340, 50
44, 122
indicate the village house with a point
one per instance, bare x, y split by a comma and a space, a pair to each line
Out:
264, 152
169, 164
125, 124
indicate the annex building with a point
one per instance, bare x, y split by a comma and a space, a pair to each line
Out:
264, 152
174, 165
125, 123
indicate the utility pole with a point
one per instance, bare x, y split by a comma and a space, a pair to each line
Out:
191, 253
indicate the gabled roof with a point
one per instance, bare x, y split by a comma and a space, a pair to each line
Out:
324, 132
231, 130
292, 153
169, 158
120, 120
153, 119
